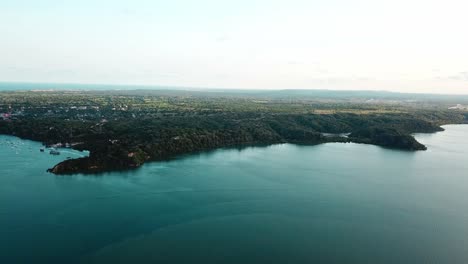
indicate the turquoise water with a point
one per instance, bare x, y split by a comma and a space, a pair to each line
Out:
331, 203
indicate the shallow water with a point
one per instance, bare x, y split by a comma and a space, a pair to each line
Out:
331, 203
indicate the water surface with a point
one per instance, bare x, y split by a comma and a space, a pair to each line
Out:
331, 203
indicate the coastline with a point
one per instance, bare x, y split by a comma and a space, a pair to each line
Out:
123, 130
63, 168
247, 145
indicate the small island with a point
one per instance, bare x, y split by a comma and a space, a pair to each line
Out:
124, 129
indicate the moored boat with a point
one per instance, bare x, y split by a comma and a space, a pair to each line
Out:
54, 152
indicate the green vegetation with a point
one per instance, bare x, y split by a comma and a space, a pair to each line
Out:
387, 137
124, 129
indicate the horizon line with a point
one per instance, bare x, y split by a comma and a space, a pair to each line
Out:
200, 88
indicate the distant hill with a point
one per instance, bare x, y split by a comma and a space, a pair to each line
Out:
272, 94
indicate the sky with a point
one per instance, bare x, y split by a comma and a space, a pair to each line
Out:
397, 45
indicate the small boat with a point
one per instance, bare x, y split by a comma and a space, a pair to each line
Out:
42, 149
54, 152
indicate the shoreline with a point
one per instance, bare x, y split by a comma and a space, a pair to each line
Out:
99, 171
122, 131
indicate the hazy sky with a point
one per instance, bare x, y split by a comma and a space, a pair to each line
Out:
400, 45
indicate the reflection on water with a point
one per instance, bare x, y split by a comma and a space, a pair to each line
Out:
332, 203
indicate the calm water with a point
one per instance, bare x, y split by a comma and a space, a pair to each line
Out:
332, 203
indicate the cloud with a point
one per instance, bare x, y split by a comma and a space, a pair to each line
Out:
222, 38
461, 76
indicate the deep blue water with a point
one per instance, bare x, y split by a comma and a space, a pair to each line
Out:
331, 203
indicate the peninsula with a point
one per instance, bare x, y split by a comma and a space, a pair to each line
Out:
124, 129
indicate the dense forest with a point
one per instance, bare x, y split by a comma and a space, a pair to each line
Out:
124, 129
